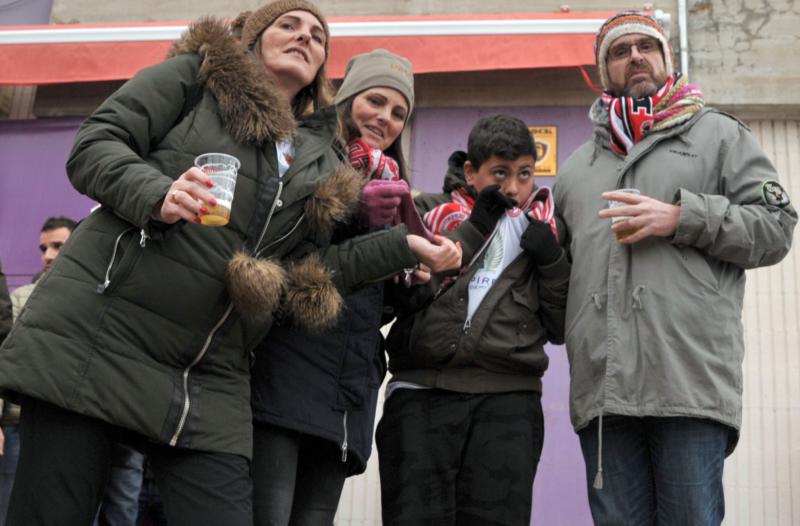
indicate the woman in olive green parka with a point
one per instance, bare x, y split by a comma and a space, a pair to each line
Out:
142, 329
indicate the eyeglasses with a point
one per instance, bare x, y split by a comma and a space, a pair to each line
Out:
623, 51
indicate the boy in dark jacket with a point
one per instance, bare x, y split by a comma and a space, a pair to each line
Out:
462, 428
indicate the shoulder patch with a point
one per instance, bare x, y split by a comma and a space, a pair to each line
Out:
774, 194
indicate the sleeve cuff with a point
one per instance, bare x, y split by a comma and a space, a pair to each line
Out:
560, 267
692, 218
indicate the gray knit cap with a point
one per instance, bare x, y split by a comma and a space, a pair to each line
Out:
378, 68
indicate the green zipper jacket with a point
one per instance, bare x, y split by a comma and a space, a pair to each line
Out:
134, 323
499, 349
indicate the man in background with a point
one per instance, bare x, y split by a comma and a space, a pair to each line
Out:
53, 235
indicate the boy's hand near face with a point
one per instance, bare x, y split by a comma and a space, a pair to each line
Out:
489, 207
539, 242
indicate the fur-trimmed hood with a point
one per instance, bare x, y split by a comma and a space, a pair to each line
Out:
251, 106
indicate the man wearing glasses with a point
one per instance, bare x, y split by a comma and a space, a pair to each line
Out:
654, 332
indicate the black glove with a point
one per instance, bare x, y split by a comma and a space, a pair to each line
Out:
489, 207
539, 242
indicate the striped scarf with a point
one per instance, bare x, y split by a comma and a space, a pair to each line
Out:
632, 119
446, 217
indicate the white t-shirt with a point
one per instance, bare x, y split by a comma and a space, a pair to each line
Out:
503, 249
285, 151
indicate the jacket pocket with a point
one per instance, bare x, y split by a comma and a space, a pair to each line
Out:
698, 267
586, 345
523, 309
512, 338
578, 311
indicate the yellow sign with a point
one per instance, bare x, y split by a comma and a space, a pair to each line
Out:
546, 138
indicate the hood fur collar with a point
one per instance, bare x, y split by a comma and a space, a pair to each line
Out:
251, 107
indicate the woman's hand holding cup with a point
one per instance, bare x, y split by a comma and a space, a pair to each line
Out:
187, 198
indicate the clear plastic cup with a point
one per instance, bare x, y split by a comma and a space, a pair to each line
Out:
223, 170
622, 234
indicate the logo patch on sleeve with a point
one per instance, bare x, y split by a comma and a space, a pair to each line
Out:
774, 194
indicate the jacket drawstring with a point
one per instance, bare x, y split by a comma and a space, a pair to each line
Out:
597, 303
344, 442
637, 297
598, 478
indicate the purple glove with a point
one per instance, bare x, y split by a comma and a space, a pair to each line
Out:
380, 200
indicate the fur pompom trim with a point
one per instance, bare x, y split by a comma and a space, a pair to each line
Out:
312, 300
255, 286
250, 105
336, 199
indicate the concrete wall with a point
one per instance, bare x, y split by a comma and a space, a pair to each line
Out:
744, 55
741, 51
156, 10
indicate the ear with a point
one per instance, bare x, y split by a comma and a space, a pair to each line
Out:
469, 173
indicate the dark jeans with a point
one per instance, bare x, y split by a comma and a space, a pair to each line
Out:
120, 506
8, 467
297, 478
65, 461
459, 459
151, 509
664, 471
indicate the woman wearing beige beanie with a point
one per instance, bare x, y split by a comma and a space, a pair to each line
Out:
315, 392
142, 331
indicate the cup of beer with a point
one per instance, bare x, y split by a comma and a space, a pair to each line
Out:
222, 169
622, 234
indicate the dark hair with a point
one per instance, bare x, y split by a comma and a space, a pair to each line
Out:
501, 135
348, 131
58, 222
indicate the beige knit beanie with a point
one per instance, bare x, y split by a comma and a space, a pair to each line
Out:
378, 68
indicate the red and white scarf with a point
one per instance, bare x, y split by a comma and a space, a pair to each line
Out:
631, 119
446, 217
374, 164
371, 162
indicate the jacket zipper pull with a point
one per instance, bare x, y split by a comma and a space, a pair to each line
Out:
101, 287
144, 237
467, 324
344, 442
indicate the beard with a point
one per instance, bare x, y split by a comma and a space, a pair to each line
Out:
644, 87
641, 90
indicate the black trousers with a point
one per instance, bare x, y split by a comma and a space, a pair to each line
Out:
65, 461
297, 478
458, 459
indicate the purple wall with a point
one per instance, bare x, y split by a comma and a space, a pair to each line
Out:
559, 492
33, 186
24, 12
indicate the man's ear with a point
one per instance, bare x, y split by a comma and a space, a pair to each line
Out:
469, 173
